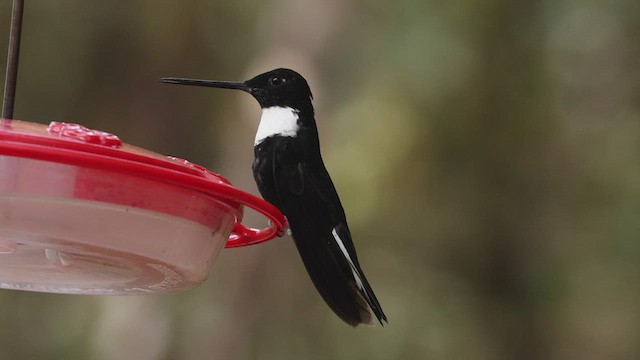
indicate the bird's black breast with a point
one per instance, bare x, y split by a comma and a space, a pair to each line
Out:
293, 178
263, 170
277, 166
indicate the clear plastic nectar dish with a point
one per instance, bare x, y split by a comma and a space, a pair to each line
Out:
83, 213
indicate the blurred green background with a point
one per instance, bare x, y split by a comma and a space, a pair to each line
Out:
487, 155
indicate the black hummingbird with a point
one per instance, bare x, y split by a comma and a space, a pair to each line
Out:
290, 174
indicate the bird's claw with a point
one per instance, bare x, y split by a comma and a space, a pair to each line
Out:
281, 233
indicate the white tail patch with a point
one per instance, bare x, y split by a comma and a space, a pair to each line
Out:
365, 310
354, 270
277, 120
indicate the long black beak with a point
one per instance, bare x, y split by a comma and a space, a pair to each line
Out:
209, 83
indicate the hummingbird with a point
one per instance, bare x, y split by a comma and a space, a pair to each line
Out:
290, 174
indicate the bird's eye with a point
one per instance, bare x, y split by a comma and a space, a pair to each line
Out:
276, 81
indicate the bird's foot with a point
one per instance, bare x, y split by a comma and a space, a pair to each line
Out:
281, 233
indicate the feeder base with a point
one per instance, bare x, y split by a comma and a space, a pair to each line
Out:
44, 247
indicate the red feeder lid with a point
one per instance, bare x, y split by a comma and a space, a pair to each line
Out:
77, 145
82, 212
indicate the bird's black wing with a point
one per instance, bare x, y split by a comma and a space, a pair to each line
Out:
304, 192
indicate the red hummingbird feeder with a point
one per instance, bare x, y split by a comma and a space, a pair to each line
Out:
81, 212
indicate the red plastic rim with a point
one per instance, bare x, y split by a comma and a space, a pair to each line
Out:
88, 153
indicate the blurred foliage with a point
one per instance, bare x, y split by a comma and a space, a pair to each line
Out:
487, 154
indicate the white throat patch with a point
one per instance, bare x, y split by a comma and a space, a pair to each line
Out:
277, 120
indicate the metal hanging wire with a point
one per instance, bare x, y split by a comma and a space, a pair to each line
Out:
12, 59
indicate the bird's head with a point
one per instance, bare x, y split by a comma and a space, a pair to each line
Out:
280, 87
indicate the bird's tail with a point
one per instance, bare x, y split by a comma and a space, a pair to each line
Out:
338, 278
